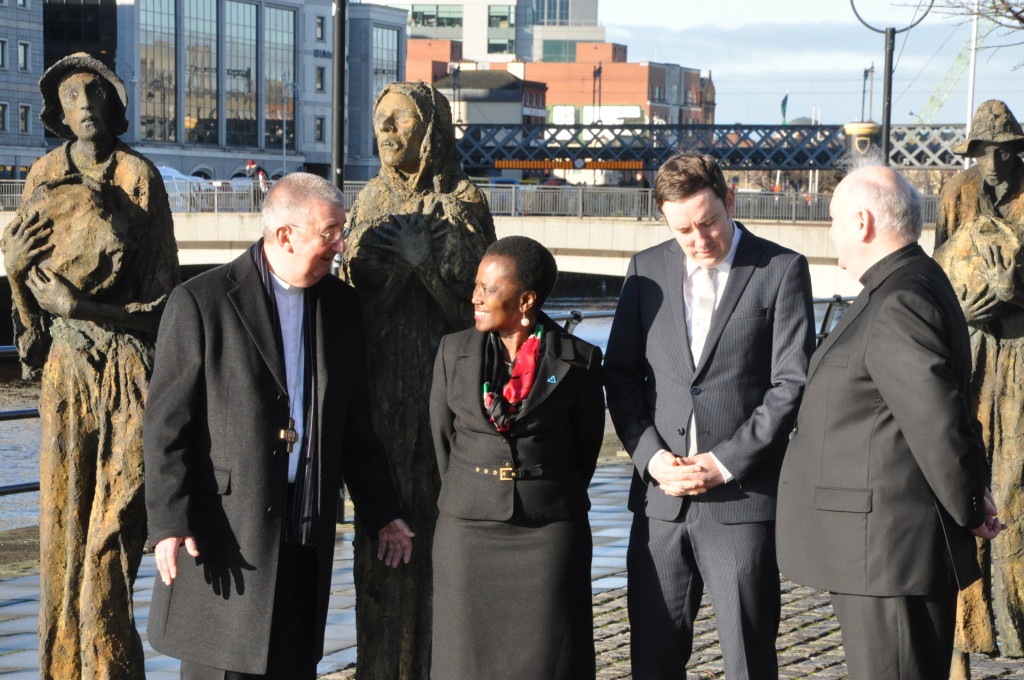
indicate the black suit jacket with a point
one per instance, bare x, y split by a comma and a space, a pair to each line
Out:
885, 468
744, 389
216, 468
555, 438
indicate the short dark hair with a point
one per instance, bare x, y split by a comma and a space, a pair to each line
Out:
684, 174
534, 265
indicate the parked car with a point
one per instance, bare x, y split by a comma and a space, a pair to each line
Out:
187, 193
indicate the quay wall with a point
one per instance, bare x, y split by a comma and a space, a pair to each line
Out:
587, 245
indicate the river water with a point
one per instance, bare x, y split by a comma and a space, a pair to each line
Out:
19, 439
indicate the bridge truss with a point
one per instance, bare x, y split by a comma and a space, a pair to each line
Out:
737, 147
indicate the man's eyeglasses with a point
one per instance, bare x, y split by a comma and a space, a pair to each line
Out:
330, 237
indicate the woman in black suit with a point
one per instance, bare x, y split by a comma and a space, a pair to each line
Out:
517, 413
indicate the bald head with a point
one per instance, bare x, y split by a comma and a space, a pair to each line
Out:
894, 205
290, 198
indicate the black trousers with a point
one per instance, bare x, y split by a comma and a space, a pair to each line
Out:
897, 638
292, 629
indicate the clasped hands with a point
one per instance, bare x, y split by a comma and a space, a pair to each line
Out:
685, 476
28, 243
991, 527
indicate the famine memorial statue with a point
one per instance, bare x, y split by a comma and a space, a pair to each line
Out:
91, 258
418, 231
978, 236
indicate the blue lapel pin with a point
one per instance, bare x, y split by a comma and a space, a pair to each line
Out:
552, 380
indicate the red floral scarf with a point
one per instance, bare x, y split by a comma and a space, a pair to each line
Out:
502, 408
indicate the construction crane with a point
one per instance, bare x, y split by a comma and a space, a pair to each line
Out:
953, 75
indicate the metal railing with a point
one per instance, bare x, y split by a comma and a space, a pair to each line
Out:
233, 196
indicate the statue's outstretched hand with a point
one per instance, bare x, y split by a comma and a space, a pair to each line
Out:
27, 241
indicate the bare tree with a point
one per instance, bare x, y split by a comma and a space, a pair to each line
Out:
1007, 17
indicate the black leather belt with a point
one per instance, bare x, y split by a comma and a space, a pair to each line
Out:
510, 474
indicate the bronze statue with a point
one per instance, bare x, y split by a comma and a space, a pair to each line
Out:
91, 258
418, 230
978, 235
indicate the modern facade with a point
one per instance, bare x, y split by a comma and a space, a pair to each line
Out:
376, 56
21, 63
507, 30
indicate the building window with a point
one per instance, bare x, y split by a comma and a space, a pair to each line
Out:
385, 58
279, 74
501, 46
441, 16
501, 16
23, 4
318, 128
24, 115
242, 127
158, 101
23, 56
321, 76
320, 31
560, 50
3, 54
3, 117
201, 116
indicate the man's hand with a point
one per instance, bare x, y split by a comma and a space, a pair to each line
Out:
991, 527
167, 556
676, 476
395, 543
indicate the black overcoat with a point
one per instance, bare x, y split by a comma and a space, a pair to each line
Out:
216, 467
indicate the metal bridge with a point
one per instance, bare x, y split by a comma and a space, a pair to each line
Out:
737, 147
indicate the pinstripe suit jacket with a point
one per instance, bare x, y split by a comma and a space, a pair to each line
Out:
744, 390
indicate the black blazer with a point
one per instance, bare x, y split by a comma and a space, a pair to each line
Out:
216, 468
885, 467
547, 458
745, 389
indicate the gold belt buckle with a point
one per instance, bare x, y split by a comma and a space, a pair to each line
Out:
508, 474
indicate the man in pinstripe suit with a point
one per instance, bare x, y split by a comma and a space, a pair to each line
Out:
706, 363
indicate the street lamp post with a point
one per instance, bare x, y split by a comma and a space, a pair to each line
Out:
890, 45
284, 122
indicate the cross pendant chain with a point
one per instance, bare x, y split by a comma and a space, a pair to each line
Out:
290, 436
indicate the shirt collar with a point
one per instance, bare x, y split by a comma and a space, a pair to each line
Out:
282, 286
725, 265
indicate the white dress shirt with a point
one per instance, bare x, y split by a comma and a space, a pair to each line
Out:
290, 306
721, 277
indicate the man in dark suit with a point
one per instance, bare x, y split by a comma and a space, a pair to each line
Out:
705, 367
256, 412
885, 479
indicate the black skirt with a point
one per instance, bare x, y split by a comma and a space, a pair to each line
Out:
512, 600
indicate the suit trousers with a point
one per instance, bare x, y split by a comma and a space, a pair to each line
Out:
897, 638
291, 655
669, 564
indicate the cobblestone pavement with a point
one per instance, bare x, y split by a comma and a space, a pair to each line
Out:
809, 643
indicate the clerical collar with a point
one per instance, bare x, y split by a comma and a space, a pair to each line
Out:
882, 268
725, 265
282, 286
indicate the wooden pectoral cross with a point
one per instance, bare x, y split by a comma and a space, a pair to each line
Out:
290, 435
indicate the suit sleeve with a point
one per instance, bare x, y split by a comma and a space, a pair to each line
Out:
588, 417
792, 346
364, 466
626, 371
442, 420
909, 359
176, 393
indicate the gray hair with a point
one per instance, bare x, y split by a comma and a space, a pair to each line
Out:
289, 199
895, 205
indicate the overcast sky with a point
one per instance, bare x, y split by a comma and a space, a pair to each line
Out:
815, 49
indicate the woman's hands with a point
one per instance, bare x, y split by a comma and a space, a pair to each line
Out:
411, 237
27, 241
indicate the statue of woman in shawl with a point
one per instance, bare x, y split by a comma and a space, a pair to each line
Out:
91, 258
417, 232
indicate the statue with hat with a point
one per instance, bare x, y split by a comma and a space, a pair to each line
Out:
91, 259
979, 238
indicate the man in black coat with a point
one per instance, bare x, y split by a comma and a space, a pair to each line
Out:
256, 413
705, 367
884, 480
